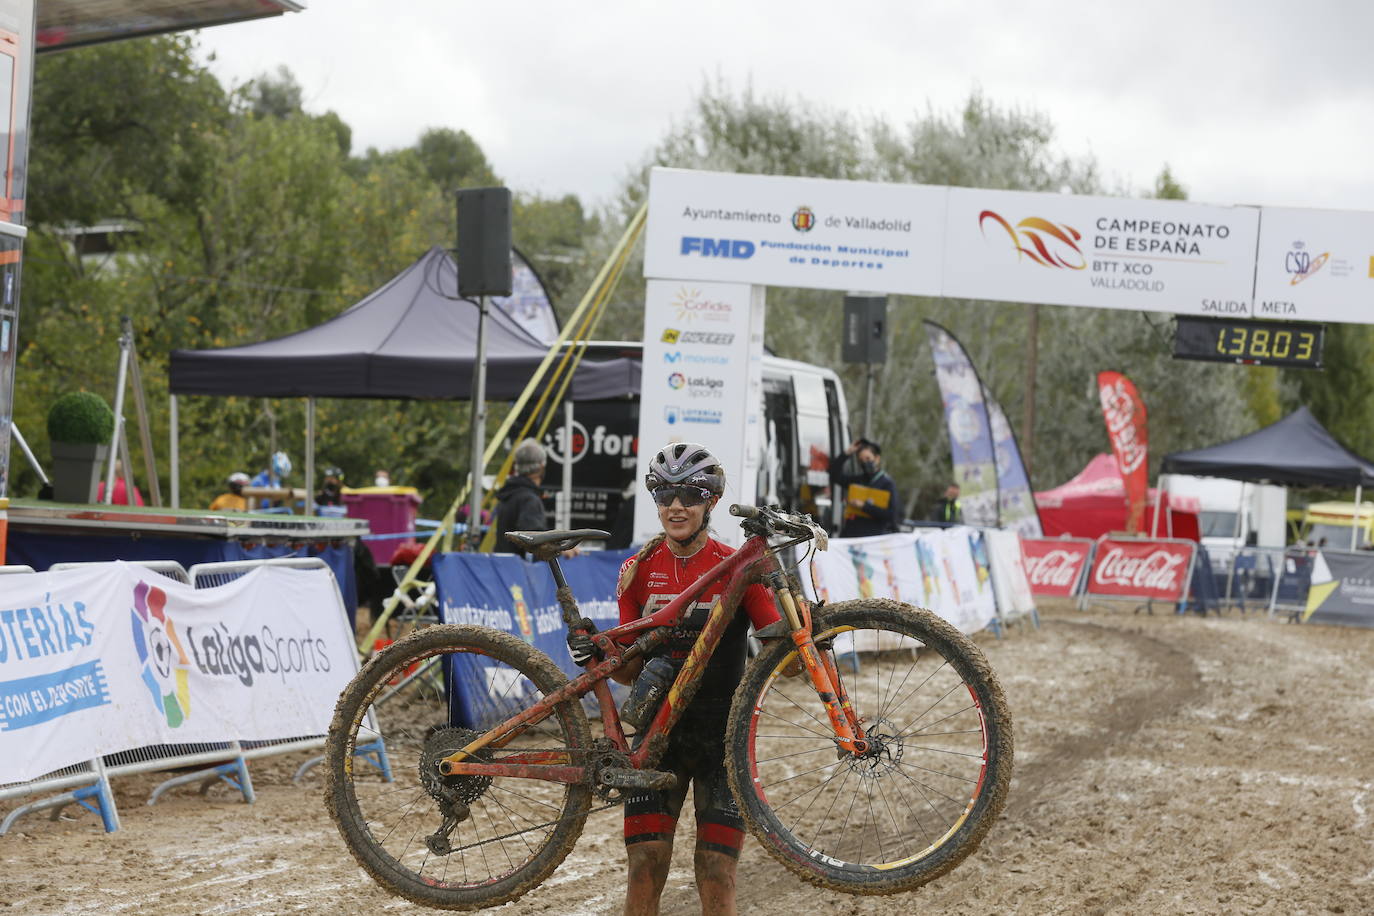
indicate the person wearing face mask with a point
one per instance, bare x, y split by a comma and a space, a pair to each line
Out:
871, 505
686, 481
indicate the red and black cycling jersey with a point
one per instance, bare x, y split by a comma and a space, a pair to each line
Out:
661, 577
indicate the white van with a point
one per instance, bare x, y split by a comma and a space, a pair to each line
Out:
1234, 513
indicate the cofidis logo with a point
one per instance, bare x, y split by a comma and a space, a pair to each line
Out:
692, 305
1047, 244
166, 667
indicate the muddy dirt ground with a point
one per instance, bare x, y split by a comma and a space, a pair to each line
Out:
1164, 765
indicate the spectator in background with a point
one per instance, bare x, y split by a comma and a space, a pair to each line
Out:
871, 505
947, 508
234, 500
331, 490
519, 502
121, 495
381, 478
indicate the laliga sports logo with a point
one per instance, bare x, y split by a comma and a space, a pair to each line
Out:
1044, 242
1301, 264
164, 661
803, 220
1158, 570
676, 380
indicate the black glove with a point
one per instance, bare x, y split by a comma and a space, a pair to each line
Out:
582, 649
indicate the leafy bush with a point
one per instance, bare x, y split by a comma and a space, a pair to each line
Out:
80, 416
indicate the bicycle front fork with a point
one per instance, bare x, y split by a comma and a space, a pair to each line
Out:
820, 667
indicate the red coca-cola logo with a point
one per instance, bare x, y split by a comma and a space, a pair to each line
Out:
1160, 570
1058, 568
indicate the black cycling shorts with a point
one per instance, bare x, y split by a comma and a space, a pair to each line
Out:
696, 753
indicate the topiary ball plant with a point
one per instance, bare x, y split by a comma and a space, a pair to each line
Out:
80, 416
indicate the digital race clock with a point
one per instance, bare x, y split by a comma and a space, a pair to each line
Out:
1248, 342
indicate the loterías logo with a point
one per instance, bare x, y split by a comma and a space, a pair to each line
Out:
1046, 243
1058, 568
1159, 570
165, 664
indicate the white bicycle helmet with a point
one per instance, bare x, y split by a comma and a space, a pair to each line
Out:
685, 463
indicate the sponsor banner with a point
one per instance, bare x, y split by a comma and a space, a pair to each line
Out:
702, 382
947, 570
1124, 413
807, 232
1015, 503
1342, 590
970, 434
112, 657
1315, 265
1101, 252
1141, 569
509, 594
1009, 582
1054, 567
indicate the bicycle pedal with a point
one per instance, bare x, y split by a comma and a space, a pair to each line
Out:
630, 778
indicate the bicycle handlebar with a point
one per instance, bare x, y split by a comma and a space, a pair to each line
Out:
744, 511
772, 520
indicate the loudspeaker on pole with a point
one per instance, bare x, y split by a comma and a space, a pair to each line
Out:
484, 261
865, 329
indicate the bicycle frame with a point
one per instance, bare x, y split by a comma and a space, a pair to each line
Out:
755, 561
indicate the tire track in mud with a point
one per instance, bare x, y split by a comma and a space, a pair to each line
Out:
1174, 683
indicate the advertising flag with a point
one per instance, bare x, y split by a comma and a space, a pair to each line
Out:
1015, 503
970, 432
529, 302
1124, 413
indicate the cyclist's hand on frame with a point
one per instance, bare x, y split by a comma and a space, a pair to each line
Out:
582, 649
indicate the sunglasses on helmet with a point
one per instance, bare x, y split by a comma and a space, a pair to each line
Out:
687, 495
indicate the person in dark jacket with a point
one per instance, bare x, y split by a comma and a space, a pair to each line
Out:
519, 503
947, 508
870, 496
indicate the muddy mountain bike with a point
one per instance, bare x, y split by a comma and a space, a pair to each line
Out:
872, 767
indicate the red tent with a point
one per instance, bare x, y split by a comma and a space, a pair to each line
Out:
1094, 503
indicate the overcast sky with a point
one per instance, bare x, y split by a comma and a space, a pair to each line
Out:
1262, 103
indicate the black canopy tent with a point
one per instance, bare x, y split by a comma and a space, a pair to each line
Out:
410, 338
1296, 451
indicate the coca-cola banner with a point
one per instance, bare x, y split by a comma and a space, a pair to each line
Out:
1141, 569
1055, 567
1124, 412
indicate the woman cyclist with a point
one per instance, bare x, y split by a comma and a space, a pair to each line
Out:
686, 481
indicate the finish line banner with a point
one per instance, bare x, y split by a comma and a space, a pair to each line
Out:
1170, 256
108, 658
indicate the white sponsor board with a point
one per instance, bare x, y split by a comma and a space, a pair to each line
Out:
947, 570
1315, 265
112, 657
781, 231
702, 382
1103, 252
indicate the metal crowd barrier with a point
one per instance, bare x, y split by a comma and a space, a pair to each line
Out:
89, 782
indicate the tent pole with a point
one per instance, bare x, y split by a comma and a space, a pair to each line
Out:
565, 510
309, 458
479, 427
125, 340
1159, 504
174, 449
1355, 521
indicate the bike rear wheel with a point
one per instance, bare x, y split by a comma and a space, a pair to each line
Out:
933, 782
419, 700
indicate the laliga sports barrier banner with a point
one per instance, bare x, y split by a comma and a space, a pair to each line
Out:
1055, 567
113, 657
1155, 569
1168, 256
507, 593
947, 570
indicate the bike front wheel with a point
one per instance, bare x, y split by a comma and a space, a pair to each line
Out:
932, 781
457, 842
